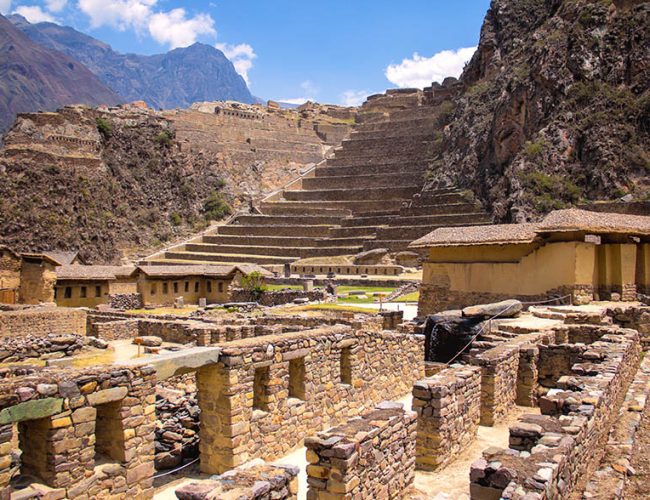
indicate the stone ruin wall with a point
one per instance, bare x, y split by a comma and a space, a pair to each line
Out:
575, 421
39, 321
448, 407
82, 433
371, 456
266, 394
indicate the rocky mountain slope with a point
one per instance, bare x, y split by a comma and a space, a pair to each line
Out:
115, 182
33, 77
175, 79
556, 107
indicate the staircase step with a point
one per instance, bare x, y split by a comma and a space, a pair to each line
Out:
397, 158
362, 205
287, 251
415, 168
395, 179
289, 220
276, 230
384, 193
283, 241
350, 232
228, 258
468, 219
450, 208
301, 209
412, 233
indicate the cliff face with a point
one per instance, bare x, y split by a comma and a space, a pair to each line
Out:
33, 77
556, 107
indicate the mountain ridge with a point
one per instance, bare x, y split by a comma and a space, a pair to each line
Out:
174, 79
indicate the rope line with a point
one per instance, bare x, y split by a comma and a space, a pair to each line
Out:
488, 321
177, 469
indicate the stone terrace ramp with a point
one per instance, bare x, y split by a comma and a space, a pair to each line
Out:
368, 195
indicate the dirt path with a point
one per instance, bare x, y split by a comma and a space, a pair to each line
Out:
638, 486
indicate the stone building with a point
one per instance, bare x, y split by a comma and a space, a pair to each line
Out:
162, 285
26, 278
585, 255
89, 286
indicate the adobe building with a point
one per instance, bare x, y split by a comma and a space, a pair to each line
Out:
571, 253
89, 286
26, 278
162, 285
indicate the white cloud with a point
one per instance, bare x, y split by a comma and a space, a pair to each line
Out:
420, 71
120, 14
5, 5
174, 29
309, 88
241, 56
55, 5
34, 14
353, 97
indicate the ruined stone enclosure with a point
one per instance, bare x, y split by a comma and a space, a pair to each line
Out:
265, 386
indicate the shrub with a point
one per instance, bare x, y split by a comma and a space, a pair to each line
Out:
175, 219
216, 207
164, 138
551, 192
534, 149
104, 127
254, 283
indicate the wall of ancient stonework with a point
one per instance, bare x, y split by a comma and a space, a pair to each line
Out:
448, 407
572, 430
115, 330
266, 394
255, 480
51, 346
637, 318
82, 433
276, 298
499, 371
40, 321
368, 457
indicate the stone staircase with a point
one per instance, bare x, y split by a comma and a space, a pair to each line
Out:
368, 195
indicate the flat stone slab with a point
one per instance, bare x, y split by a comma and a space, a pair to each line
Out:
503, 309
176, 363
31, 410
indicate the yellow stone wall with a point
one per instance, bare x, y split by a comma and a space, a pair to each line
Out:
37, 281
76, 299
153, 290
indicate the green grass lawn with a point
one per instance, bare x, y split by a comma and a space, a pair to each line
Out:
409, 297
369, 290
337, 307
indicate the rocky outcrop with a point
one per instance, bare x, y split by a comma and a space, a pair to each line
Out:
556, 107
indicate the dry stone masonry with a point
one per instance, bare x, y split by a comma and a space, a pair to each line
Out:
371, 456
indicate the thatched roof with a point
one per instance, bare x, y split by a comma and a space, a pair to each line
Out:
497, 234
93, 273
576, 220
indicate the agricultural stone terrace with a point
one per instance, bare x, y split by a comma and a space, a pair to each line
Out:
367, 195
525, 411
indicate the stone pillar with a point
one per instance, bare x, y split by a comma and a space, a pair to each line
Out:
643, 268
617, 270
527, 375
448, 406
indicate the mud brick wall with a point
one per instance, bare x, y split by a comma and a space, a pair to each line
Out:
448, 406
39, 321
499, 371
368, 457
84, 433
267, 393
253, 480
552, 455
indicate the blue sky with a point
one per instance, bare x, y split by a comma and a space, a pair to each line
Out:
334, 51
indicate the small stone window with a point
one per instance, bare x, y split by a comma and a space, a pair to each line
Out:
153, 289
297, 378
221, 287
261, 388
67, 293
187, 286
346, 365
196, 287
165, 288
109, 433
209, 284
175, 288
83, 292
98, 291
